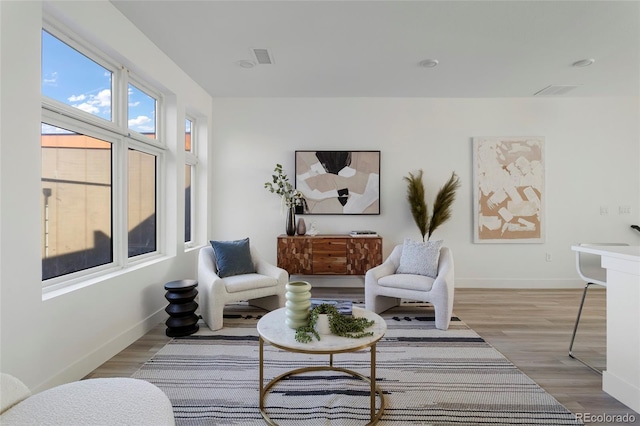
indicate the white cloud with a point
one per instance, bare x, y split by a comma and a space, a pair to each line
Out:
93, 104
50, 79
134, 104
139, 122
144, 129
74, 98
88, 107
103, 98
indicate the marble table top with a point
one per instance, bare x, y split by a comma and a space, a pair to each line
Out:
272, 329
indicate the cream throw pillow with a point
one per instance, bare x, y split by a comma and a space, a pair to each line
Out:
420, 258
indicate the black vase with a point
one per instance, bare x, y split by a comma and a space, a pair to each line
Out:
291, 221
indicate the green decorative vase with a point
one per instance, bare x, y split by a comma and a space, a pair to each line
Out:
298, 303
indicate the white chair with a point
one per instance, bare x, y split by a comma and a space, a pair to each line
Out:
265, 288
590, 270
384, 288
95, 402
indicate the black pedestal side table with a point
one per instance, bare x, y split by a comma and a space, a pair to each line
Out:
182, 319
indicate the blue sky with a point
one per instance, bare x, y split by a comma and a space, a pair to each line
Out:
74, 79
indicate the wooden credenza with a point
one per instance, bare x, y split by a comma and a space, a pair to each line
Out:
328, 254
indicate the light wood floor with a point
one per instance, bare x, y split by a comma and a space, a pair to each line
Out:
532, 328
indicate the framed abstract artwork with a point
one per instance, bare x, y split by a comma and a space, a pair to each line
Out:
339, 182
509, 190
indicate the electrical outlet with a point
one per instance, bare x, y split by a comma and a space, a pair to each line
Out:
604, 210
624, 209
549, 258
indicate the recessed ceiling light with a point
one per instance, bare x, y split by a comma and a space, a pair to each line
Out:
246, 64
583, 63
428, 63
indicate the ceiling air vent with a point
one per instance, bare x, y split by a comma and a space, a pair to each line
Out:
263, 56
555, 90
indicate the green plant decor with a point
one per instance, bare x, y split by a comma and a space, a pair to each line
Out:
280, 185
441, 206
340, 325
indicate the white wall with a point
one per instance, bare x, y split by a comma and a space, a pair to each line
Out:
61, 337
592, 160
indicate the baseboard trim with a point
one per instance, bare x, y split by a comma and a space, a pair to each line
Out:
102, 354
517, 283
621, 390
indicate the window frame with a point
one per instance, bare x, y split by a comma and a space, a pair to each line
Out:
117, 133
68, 123
146, 89
160, 157
117, 74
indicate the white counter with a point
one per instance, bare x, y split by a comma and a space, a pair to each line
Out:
621, 379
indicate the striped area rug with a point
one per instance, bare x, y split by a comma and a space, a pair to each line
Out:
429, 377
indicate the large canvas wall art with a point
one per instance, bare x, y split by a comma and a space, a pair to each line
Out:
339, 182
509, 189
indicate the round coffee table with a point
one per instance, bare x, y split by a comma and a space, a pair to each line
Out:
273, 330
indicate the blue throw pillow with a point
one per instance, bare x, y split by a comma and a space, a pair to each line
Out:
233, 257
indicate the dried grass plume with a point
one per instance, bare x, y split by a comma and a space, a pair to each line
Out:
441, 206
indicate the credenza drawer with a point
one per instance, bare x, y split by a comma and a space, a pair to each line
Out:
329, 247
329, 265
329, 256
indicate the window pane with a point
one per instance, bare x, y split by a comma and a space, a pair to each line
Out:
187, 135
142, 203
187, 203
73, 79
76, 202
142, 112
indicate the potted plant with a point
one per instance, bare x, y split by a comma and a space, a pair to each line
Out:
291, 197
340, 325
441, 206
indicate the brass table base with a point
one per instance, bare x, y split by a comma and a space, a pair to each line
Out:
375, 415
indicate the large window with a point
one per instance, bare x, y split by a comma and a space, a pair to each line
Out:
189, 173
77, 198
142, 203
101, 152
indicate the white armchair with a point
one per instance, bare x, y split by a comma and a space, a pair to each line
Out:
265, 288
95, 402
384, 288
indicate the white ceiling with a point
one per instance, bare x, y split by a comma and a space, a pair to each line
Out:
373, 48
